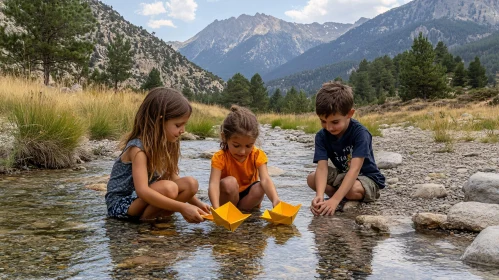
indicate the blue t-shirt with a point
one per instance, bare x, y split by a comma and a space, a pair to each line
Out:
356, 142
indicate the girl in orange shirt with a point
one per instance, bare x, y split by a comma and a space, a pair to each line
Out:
239, 170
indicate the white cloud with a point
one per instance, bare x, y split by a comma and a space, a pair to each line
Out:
159, 23
344, 11
314, 9
149, 9
182, 9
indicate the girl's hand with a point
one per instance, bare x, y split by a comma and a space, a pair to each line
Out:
192, 214
205, 207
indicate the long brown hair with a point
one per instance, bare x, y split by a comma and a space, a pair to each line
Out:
160, 105
240, 121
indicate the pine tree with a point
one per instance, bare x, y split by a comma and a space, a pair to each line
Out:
440, 52
153, 80
420, 77
187, 92
120, 61
291, 101
460, 74
276, 101
363, 91
259, 94
52, 37
301, 103
476, 74
237, 91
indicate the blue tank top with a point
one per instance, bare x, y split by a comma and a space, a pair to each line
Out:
121, 182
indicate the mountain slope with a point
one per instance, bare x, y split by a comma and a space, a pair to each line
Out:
487, 49
311, 80
392, 32
250, 44
150, 52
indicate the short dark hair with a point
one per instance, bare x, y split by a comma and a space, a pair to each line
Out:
332, 98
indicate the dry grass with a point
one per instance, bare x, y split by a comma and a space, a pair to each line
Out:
53, 123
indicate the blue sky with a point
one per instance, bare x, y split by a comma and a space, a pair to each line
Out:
179, 20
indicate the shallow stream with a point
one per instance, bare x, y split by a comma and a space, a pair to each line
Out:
51, 227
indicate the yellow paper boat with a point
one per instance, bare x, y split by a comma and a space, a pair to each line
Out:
228, 216
208, 217
283, 213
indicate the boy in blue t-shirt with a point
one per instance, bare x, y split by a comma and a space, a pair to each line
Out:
349, 146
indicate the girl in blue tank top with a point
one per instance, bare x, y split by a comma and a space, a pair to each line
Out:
144, 181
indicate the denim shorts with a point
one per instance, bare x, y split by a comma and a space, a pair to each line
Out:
120, 208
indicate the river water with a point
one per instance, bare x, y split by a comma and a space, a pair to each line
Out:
51, 227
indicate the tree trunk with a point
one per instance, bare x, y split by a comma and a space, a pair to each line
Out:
46, 73
115, 86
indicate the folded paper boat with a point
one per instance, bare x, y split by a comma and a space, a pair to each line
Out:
228, 216
283, 213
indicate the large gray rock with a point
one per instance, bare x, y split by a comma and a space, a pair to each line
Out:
388, 160
429, 191
473, 216
485, 248
482, 187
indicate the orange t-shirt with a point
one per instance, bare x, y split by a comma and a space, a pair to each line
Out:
245, 172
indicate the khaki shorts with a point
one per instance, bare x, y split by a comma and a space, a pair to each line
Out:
371, 190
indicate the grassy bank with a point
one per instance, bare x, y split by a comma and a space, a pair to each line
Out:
49, 125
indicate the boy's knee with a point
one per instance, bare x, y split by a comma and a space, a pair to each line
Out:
229, 185
166, 188
311, 180
356, 192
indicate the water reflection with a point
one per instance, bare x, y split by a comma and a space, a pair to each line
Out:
343, 250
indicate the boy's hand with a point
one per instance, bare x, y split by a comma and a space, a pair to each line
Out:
327, 208
314, 207
192, 214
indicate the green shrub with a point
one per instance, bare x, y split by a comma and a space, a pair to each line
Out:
201, 127
47, 134
275, 123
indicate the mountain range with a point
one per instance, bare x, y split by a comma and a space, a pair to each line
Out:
255, 44
455, 22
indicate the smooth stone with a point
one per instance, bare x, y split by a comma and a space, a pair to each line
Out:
388, 160
392, 180
429, 191
208, 154
428, 220
482, 187
188, 136
472, 216
485, 248
275, 171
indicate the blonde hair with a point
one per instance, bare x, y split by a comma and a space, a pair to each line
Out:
240, 121
159, 106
